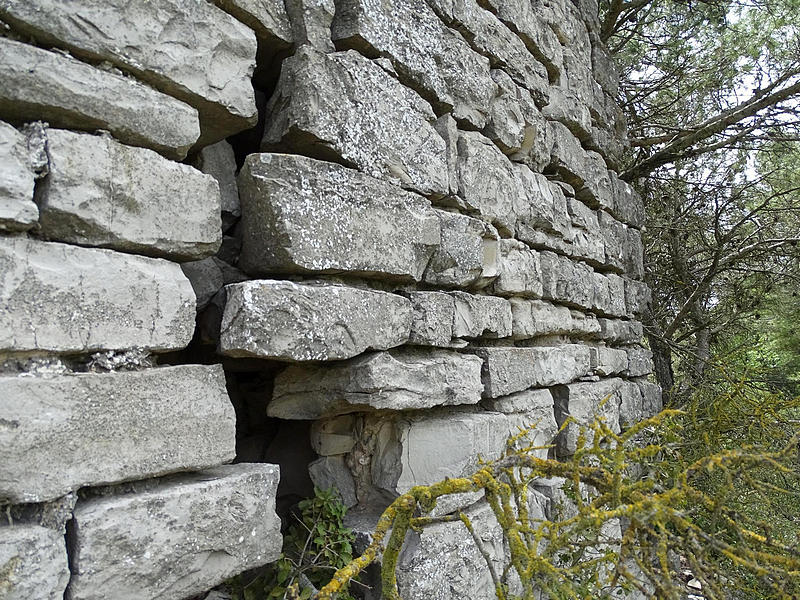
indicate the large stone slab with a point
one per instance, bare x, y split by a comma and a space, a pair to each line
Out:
267, 18
577, 284
533, 318
68, 93
480, 316
584, 402
399, 380
177, 539
188, 49
69, 431
345, 107
432, 318
509, 370
18, 211
69, 299
428, 56
289, 321
519, 271
33, 563
101, 193
302, 215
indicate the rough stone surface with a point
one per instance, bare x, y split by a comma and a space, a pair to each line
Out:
331, 472
608, 361
652, 403
347, 107
399, 380
42, 85
206, 278
33, 563
584, 402
533, 318
180, 538
268, 18
68, 299
219, 161
432, 318
631, 405
188, 49
519, 272
18, 211
101, 193
95, 428
480, 316
509, 370
620, 331
311, 22
640, 361
577, 284
288, 321
303, 215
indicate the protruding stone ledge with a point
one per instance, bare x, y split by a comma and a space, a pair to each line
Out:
287, 321
307, 216
68, 299
534, 318
33, 563
61, 433
176, 539
101, 193
398, 380
18, 211
42, 85
267, 18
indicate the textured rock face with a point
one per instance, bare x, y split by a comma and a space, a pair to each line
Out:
308, 216
69, 93
165, 420
101, 193
68, 299
33, 563
584, 402
17, 209
286, 321
181, 537
267, 18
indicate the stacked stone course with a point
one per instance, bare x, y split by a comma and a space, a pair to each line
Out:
364, 241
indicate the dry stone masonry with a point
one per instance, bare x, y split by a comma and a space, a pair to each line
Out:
341, 243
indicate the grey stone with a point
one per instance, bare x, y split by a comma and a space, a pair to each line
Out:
399, 380
541, 207
627, 205
519, 271
331, 472
637, 297
268, 18
640, 361
631, 405
307, 216
92, 428
346, 107
67, 93
311, 22
101, 193
576, 284
447, 128
68, 299
330, 437
608, 361
619, 331
188, 49
514, 121
533, 318
432, 318
568, 157
206, 278
219, 161
288, 321
567, 108
652, 402
177, 539
509, 370
584, 402
467, 255
480, 316
633, 253
18, 211
539, 401
428, 56
33, 563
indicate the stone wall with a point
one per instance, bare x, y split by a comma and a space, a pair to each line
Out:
360, 241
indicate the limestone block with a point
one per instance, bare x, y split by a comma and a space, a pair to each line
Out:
347, 107
568, 157
533, 318
480, 316
627, 205
614, 235
527, 401
219, 161
542, 207
302, 215
69, 299
177, 539
568, 108
637, 297
467, 255
582, 216
94, 428
283, 320
330, 437
608, 361
432, 318
188, 49
67, 93
399, 380
652, 403
640, 361
619, 331
597, 189
331, 472
631, 405
311, 22
608, 294
206, 278
267, 18
566, 281
18, 211
33, 563
633, 253
585, 401
427, 55
101, 193
519, 272
509, 370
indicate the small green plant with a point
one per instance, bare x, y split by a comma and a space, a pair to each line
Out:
315, 545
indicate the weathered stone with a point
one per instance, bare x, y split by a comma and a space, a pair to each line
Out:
283, 320
151, 40
346, 107
447, 128
268, 18
331, 472
509, 370
18, 211
519, 272
613, 233
576, 284
33, 563
584, 402
467, 253
68, 299
619, 331
568, 157
311, 22
542, 207
206, 278
101, 193
67, 93
180, 538
306, 216
627, 205
608, 361
640, 361
219, 161
633, 253
87, 429
652, 403
631, 405
637, 297
432, 319
527, 401
333, 436
427, 55
480, 316
533, 318
568, 109
399, 380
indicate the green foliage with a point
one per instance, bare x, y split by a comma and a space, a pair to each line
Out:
315, 545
